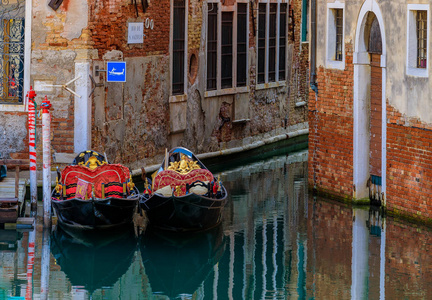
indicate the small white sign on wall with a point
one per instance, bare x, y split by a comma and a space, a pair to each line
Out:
136, 33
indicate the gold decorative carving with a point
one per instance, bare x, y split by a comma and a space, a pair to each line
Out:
184, 166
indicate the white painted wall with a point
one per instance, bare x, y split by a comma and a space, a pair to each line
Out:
82, 109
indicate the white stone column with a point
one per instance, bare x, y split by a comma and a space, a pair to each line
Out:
82, 109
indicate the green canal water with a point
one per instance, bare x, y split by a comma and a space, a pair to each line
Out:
276, 241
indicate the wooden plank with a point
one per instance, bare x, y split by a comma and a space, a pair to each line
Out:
28, 221
15, 162
17, 168
8, 200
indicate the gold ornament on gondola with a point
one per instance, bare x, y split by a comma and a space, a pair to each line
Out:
184, 166
130, 184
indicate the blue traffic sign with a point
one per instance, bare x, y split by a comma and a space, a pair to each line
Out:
116, 71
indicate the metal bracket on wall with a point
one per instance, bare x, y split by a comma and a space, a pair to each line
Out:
64, 86
94, 84
97, 70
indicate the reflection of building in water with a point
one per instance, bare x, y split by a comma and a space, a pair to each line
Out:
265, 257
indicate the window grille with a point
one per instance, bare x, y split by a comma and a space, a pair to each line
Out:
227, 49
272, 43
212, 46
178, 47
12, 51
421, 22
282, 40
339, 33
272, 38
242, 36
261, 41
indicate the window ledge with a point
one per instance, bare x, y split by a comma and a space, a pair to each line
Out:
230, 91
13, 107
241, 121
418, 72
270, 85
178, 98
335, 64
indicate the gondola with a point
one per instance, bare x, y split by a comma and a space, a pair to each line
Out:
93, 194
183, 195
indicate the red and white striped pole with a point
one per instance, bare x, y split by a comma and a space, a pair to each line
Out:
32, 148
46, 175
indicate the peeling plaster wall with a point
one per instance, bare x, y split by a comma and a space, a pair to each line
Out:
76, 19
12, 141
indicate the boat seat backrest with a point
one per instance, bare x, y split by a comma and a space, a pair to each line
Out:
112, 175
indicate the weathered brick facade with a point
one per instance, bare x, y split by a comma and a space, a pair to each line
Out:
133, 122
370, 122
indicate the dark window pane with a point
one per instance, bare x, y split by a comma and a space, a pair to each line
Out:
178, 47
339, 33
421, 39
241, 44
272, 43
282, 40
261, 41
227, 49
212, 46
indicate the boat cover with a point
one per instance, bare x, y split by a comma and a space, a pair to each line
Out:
112, 175
175, 179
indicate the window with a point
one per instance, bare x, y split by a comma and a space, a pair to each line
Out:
227, 44
339, 34
305, 20
271, 42
212, 37
282, 40
421, 39
179, 43
242, 37
12, 52
227, 49
417, 40
335, 36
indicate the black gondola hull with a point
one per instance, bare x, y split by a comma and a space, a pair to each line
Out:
185, 213
95, 213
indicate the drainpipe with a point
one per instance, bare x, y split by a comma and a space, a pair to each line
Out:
313, 83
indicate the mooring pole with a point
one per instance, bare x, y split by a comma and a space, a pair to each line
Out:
32, 148
46, 141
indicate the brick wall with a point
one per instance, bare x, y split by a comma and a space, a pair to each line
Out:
108, 25
409, 174
331, 130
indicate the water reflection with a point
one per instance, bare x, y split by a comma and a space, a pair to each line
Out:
177, 264
276, 242
92, 262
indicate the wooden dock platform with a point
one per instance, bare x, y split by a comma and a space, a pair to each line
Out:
12, 198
